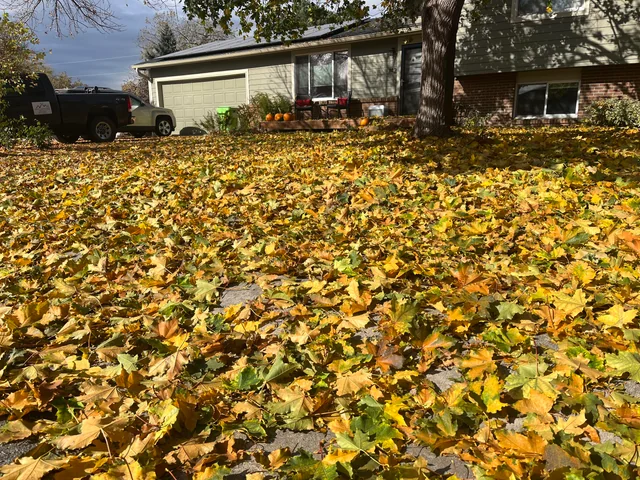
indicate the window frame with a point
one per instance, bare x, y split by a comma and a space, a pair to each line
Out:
540, 17
546, 98
294, 56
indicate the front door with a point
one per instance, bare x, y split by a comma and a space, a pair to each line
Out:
411, 78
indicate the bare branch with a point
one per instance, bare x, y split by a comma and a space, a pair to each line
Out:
69, 17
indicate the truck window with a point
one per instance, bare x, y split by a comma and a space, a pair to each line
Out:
135, 103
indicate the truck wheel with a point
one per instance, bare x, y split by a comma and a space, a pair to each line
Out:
68, 138
102, 129
163, 127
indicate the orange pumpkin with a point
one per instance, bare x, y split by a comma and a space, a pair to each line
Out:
288, 117
364, 122
279, 117
269, 117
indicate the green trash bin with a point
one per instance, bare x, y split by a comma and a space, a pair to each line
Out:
227, 118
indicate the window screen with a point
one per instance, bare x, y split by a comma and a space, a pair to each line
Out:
530, 101
562, 98
302, 75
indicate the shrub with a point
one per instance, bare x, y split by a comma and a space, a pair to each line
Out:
262, 103
13, 131
281, 104
210, 123
248, 117
470, 118
614, 112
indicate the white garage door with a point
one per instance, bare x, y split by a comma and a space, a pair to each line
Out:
191, 100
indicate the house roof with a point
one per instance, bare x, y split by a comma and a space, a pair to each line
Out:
328, 33
240, 43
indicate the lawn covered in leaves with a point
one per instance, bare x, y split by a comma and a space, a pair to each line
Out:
511, 260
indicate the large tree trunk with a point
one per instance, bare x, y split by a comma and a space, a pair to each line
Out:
440, 20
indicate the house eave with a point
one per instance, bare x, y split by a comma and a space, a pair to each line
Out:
275, 49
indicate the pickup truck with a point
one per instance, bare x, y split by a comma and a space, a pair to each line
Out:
90, 114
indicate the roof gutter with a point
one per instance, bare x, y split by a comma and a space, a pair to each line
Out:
276, 48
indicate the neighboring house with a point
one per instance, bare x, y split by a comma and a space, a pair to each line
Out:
515, 62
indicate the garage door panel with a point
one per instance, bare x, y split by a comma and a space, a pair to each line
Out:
192, 100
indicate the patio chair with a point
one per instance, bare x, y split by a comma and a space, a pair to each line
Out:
341, 104
303, 103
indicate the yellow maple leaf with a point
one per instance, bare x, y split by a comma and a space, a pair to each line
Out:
571, 305
478, 362
530, 445
354, 322
392, 410
339, 455
491, 394
352, 382
314, 286
30, 468
354, 291
571, 425
616, 316
537, 403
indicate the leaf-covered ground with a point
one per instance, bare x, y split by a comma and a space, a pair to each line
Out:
472, 298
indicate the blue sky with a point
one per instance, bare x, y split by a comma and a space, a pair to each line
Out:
96, 58
102, 59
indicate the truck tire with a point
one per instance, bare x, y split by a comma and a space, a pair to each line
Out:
163, 126
102, 129
67, 138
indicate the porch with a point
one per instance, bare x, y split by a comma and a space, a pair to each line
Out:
336, 124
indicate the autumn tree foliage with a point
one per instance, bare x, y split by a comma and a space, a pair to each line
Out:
138, 86
61, 80
18, 54
19, 60
187, 32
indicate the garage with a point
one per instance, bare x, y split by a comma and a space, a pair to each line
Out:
191, 100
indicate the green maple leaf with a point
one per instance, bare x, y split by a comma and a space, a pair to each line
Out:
359, 442
247, 379
129, 363
509, 310
402, 313
279, 370
531, 376
205, 291
625, 362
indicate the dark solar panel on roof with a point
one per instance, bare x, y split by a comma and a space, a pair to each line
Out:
240, 43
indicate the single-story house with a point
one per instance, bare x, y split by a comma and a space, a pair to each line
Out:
517, 61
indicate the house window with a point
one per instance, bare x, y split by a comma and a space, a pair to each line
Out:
547, 99
322, 75
528, 8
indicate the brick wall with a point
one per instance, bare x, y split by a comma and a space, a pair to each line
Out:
613, 81
494, 94
490, 94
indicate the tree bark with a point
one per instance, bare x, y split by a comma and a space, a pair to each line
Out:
440, 19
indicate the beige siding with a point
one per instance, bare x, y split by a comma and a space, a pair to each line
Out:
273, 78
374, 67
494, 42
270, 73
